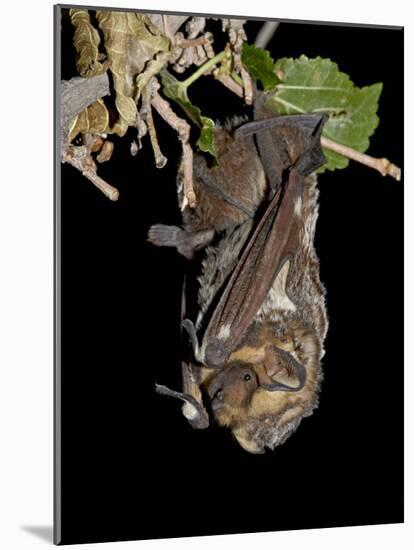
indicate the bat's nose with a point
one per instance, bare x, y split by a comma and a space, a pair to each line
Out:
217, 400
219, 395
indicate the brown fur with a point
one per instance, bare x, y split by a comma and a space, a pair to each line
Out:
290, 326
270, 417
266, 418
238, 165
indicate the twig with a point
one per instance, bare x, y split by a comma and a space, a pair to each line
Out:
190, 42
266, 33
237, 38
229, 83
166, 27
247, 85
383, 165
195, 26
146, 111
79, 158
192, 49
183, 129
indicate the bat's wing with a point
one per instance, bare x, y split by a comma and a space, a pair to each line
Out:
194, 411
193, 408
283, 138
274, 241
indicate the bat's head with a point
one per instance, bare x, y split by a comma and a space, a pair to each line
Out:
263, 393
231, 391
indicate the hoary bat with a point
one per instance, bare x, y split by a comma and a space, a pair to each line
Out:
257, 338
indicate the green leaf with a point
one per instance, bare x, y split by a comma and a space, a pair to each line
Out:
177, 91
317, 85
260, 65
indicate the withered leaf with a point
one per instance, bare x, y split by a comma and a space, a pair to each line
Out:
131, 42
86, 42
94, 120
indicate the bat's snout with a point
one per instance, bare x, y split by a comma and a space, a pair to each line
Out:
217, 400
232, 387
216, 394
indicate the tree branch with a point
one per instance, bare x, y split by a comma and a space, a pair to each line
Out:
79, 158
146, 111
183, 129
383, 165
266, 33
228, 82
77, 93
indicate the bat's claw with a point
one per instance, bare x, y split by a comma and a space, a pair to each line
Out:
188, 325
312, 157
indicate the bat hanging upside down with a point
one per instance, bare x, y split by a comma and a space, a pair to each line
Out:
257, 339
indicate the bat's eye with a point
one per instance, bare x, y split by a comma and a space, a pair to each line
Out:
247, 377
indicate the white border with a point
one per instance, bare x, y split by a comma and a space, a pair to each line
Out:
26, 312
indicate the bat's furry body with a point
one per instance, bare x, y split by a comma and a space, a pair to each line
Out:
253, 389
293, 315
225, 195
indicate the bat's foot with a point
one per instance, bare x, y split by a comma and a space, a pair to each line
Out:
165, 235
171, 235
185, 242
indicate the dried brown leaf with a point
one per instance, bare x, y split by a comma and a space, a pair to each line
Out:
86, 42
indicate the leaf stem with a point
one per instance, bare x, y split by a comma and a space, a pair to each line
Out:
203, 69
237, 78
383, 165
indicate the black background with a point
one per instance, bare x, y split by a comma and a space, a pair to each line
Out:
132, 467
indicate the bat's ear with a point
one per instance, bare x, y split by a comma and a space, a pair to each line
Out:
279, 292
280, 371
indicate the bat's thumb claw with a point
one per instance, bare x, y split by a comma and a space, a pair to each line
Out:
188, 325
312, 157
